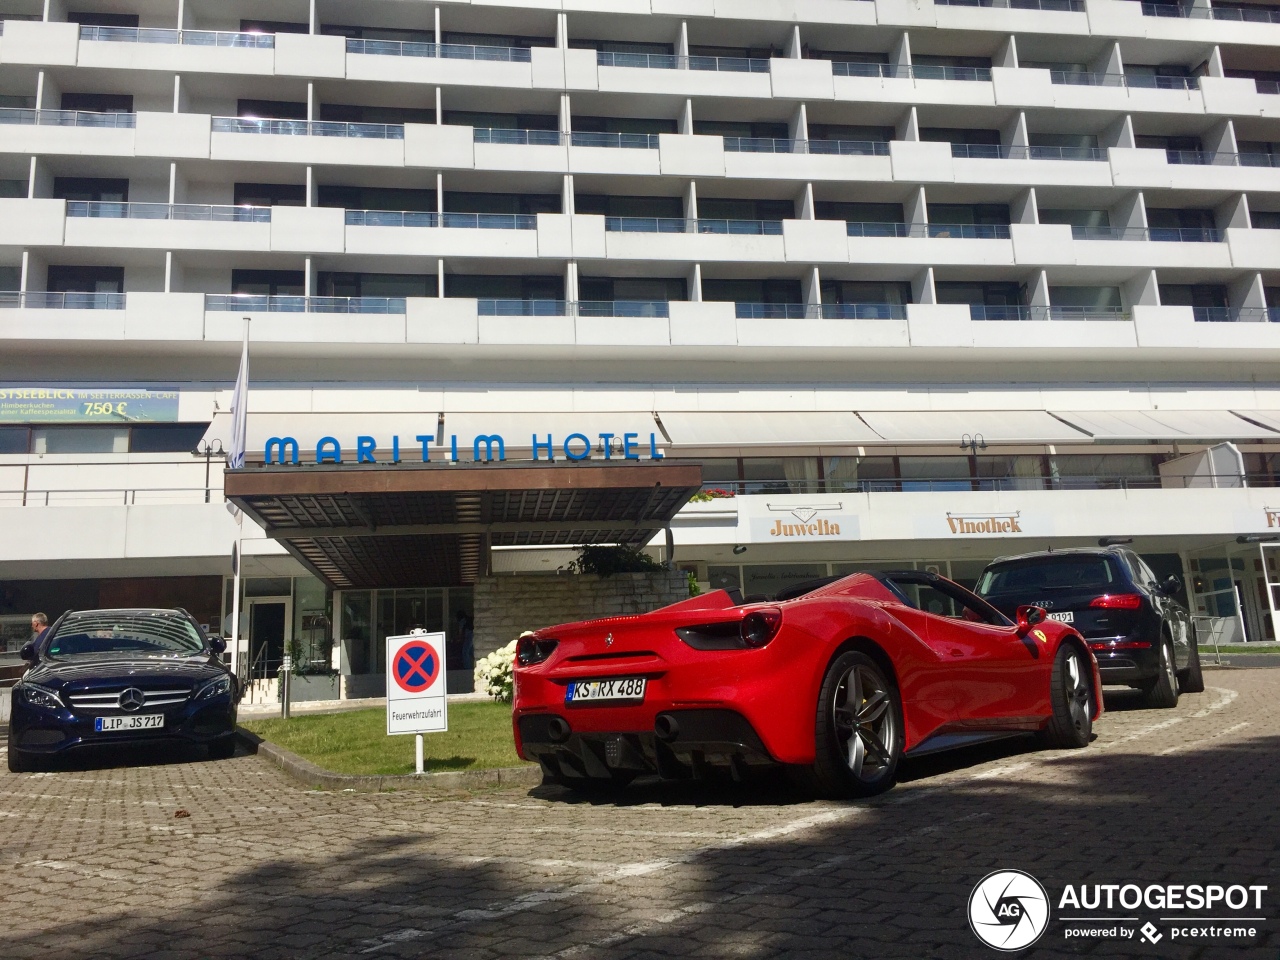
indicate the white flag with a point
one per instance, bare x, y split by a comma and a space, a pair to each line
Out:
239, 415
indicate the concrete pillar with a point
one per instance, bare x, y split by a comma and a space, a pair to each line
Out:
1024, 208
1008, 54
806, 204
1118, 134
1014, 132
695, 283
567, 203
566, 114
562, 31
793, 49
1247, 293
916, 208
908, 127
1213, 66
691, 201
1142, 290
1221, 138
900, 56
922, 289
1233, 212
1129, 213
685, 125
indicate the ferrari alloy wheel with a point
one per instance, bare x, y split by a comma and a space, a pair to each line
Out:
1162, 692
1071, 695
858, 729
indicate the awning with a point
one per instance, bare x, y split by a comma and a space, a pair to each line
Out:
950, 426
704, 428
1166, 425
428, 525
1268, 418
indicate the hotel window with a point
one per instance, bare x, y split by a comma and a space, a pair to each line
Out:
515, 203
270, 195
485, 287
15, 439
757, 130
839, 131
502, 121
1090, 219
632, 288
717, 208
165, 437
650, 125
273, 26
990, 138
659, 208
80, 279
377, 33
854, 473
331, 284
624, 46
98, 102
891, 292
80, 440
783, 290
271, 109
1210, 295
1265, 219
935, 473
494, 40
268, 283
377, 198
91, 189
357, 113
88, 18
1000, 293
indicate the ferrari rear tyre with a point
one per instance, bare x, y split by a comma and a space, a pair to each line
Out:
1071, 694
858, 729
1162, 692
1191, 680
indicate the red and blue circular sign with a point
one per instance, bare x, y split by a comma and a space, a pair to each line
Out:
416, 667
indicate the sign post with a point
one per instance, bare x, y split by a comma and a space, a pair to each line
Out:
416, 700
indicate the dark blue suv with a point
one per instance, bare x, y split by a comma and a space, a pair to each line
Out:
1141, 636
102, 677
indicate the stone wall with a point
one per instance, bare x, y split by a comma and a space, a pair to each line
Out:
506, 606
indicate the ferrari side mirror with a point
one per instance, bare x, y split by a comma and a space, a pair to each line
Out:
1028, 616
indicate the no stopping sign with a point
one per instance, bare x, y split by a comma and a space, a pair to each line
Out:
416, 700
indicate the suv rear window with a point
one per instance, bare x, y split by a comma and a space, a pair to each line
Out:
1062, 573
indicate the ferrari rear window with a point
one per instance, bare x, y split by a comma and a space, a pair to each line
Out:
105, 632
1063, 573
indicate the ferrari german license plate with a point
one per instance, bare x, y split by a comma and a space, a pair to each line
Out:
145, 721
593, 691
1063, 616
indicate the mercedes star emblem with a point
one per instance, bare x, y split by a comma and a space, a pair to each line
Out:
131, 699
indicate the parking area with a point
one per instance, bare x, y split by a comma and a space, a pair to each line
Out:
192, 858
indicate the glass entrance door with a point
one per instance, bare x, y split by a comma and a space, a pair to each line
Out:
269, 624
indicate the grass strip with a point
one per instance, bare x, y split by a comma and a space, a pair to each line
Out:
356, 742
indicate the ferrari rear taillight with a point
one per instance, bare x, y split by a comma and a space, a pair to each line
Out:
756, 628
760, 626
1117, 601
533, 650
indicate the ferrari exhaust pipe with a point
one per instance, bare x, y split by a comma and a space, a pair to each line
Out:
665, 728
558, 730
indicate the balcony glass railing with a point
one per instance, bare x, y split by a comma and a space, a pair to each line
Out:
920, 71
309, 128
987, 151
621, 308
624, 141
738, 488
864, 311
1258, 14
40, 300
522, 308
819, 311
249, 303
1057, 6
926, 71
1258, 159
660, 61
846, 148
1083, 78
461, 221
523, 138
844, 68
855, 228
1145, 82
167, 211
761, 145
447, 51
65, 118
1159, 234
770, 228
1267, 86
978, 311
968, 231
1236, 314
1249, 14
195, 38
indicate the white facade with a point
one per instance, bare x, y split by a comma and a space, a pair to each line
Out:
911, 265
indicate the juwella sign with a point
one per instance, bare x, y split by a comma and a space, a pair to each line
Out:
485, 447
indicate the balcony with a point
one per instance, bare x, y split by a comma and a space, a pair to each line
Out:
168, 211
522, 138
657, 61
195, 38
1236, 314
1086, 79
461, 221
1256, 14
844, 148
967, 231
40, 300
445, 51
308, 128
754, 228
1158, 234
1057, 6
247, 303
985, 151
66, 118
1020, 312
1267, 86
820, 311
614, 141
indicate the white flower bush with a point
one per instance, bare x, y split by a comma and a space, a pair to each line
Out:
494, 672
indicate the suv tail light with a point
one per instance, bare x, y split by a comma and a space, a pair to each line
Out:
533, 650
1117, 601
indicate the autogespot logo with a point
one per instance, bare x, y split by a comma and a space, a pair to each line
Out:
1008, 910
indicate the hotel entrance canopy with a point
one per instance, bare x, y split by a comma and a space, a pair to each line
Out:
433, 525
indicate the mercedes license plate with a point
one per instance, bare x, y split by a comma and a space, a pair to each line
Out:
1063, 616
593, 691
142, 721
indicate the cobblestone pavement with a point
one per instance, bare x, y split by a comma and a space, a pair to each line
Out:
99, 864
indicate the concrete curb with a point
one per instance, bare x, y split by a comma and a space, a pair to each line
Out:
310, 775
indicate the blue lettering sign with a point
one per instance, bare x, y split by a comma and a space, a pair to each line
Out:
488, 439
543, 446
586, 446
364, 449
395, 449
425, 439
324, 455
654, 452
608, 443
281, 445
629, 446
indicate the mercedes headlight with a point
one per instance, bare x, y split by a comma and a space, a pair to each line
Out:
216, 687
39, 696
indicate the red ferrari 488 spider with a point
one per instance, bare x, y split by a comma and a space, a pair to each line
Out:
837, 679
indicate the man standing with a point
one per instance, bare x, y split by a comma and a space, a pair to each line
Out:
39, 626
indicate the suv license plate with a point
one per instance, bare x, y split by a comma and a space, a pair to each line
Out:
1065, 616
593, 691
145, 721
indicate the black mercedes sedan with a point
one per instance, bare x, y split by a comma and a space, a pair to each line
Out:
1141, 635
101, 677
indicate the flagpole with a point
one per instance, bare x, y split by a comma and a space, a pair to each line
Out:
235, 460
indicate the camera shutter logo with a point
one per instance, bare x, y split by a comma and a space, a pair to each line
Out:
1008, 910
